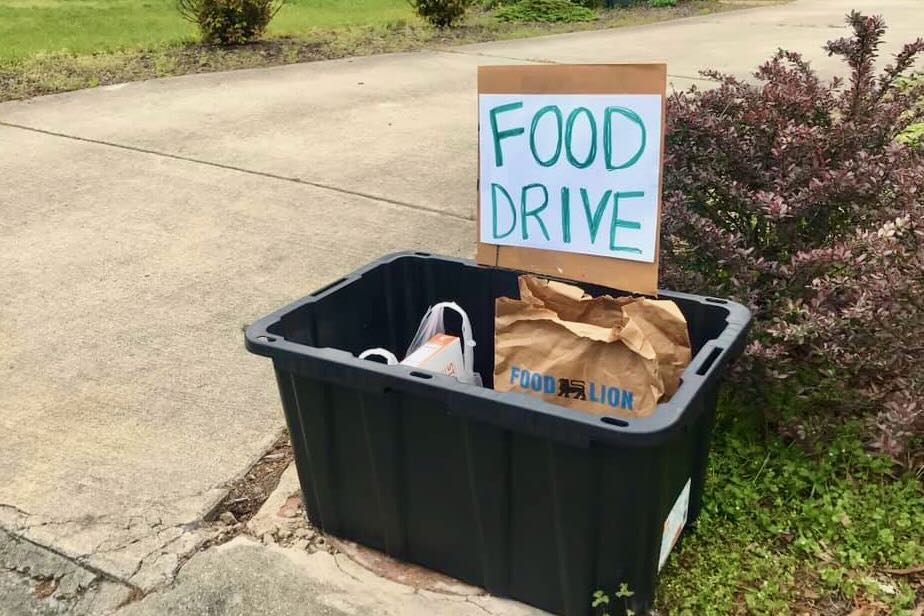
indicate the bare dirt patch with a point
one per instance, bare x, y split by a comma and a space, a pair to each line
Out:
249, 492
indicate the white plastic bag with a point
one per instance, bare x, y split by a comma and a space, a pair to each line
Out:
433, 323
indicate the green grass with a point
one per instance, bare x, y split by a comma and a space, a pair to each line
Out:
51, 46
788, 529
32, 27
544, 11
303, 15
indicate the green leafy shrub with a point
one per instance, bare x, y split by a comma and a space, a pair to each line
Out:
661, 3
545, 11
230, 22
441, 13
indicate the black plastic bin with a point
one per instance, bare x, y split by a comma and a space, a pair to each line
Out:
527, 499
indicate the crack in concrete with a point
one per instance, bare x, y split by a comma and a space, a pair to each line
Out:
35, 578
479, 606
151, 558
73, 596
263, 174
84, 520
160, 549
120, 520
157, 529
461, 52
16, 509
344, 571
201, 546
140, 528
58, 583
73, 561
129, 519
27, 572
453, 597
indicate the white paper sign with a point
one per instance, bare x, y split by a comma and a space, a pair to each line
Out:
571, 172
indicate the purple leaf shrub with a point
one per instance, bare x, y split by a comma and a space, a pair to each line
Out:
795, 196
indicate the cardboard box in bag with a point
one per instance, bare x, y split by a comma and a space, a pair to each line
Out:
441, 354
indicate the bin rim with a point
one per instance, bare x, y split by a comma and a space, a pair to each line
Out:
470, 400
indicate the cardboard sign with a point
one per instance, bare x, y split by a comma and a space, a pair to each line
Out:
570, 161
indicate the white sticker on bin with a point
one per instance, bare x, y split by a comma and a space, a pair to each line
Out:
673, 525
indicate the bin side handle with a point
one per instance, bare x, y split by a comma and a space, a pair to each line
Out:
706, 365
717, 352
714, 357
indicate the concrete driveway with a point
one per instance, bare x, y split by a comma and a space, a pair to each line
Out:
142, 226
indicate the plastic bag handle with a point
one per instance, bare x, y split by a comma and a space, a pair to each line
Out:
385, 354
433, 322
468, 343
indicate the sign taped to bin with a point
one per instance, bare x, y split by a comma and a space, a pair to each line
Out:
570, 160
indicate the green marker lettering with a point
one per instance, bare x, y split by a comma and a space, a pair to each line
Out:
624, 224
569, 126
593, 220
524, 213
566, 214
532, 135
503, 134
513, 209
608, 136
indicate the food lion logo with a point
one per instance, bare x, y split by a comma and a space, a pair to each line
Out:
573, 389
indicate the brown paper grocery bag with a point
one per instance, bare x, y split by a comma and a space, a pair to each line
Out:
667, 331
597, 354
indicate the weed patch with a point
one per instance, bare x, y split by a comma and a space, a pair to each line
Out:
817, 528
